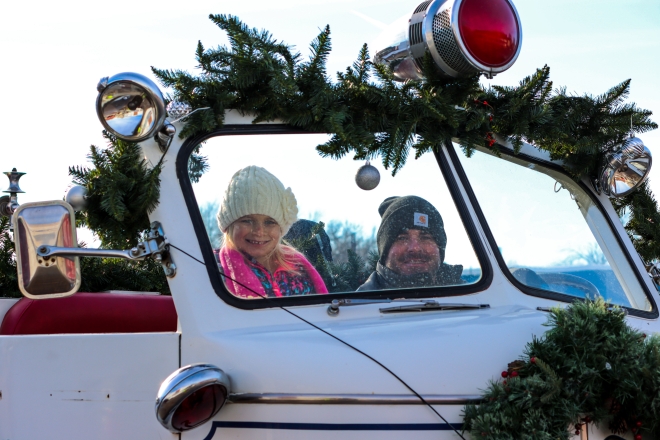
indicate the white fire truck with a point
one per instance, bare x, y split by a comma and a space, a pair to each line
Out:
385, 364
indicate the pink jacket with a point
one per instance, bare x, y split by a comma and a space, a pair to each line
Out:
236, 268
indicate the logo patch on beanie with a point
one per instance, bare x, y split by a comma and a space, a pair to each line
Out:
421, 220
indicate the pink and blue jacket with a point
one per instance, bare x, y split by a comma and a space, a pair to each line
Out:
256, 278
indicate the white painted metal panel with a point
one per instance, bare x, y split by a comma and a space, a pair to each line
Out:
95, 386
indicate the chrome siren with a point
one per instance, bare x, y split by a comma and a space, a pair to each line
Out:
464, 37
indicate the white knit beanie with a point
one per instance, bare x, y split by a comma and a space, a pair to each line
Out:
253, 190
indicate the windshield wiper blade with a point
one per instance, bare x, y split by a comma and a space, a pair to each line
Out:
419, 306
433, 305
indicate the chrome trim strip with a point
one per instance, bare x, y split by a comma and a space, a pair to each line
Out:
352, 399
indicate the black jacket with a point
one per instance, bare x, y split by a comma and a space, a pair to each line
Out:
384, 278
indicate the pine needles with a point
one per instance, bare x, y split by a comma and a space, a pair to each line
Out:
589, 367
121, 189
8, 273
367, 114
370, 115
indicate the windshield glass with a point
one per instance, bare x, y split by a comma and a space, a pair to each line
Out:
550, 233
284, 221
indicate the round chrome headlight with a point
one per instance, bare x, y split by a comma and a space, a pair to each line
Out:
625, 169
130, 106
191, 396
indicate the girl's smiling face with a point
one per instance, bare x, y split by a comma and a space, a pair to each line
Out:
256, 235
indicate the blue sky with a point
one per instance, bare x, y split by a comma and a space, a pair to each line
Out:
53, 54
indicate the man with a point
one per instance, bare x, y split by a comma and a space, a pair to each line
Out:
411, 245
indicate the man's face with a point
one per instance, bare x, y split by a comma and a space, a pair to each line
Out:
414, 251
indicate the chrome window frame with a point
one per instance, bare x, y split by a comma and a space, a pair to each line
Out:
271, 129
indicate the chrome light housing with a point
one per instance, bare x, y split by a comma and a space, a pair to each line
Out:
626, 169
464, 37
130, 106
191, 396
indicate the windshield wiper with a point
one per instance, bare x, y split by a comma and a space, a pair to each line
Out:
420, 306
433, 305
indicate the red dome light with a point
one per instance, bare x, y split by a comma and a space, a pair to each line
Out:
489, 30
199, 407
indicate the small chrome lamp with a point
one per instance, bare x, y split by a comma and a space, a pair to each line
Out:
625, 169
9, 204
191, 396
130, 106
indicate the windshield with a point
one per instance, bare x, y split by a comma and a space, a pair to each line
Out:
284, 221
550, 233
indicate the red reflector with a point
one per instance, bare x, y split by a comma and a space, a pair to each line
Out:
199, 407
490, 31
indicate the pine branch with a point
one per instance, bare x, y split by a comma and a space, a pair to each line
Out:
368, 115
122, 190
590, 365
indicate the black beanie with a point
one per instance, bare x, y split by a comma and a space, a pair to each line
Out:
409, 212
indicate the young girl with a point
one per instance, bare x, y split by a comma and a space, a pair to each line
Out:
255, 214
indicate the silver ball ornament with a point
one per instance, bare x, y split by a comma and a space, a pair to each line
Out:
367, 177
177, 110
76, 196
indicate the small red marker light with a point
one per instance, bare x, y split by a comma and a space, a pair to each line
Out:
199, 407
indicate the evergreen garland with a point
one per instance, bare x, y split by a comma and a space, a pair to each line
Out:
367, 114
589, 367
121, 190
642, 226
8, 272
261, 76
103, 274
370, 115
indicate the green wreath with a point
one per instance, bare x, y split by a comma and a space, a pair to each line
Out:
589, 367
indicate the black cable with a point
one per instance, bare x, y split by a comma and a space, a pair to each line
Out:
336, 338
181, 250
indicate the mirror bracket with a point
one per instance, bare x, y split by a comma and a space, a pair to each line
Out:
155, 246
165, 135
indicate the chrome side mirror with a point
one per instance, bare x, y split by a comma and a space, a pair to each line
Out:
45, 224
191, 396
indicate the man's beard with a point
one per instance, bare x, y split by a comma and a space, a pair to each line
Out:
424, 262
422, 279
